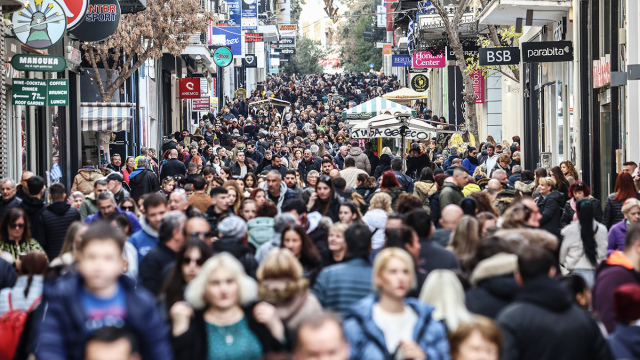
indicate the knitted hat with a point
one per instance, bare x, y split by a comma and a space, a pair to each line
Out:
232, 226
626, 302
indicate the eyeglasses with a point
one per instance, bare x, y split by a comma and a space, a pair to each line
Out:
127, 208
17, 226
188, 261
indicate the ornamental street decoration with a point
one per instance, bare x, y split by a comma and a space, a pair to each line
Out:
41, 24
100, 21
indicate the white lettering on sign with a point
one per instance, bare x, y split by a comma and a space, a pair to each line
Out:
548, 52
602, 71
498, 56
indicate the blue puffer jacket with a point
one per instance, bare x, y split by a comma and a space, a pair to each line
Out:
367, 340
63, 333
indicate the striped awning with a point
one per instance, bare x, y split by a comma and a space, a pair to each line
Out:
372, 108
106, 116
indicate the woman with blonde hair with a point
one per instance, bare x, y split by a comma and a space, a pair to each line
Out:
376, 217
337, 245
220, 317
235, 194
465, 240
550, 204
391, 325
444, 292
281, 283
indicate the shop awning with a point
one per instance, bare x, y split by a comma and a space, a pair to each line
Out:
506, 12
405, 94
372, 108
390, 126
106, 116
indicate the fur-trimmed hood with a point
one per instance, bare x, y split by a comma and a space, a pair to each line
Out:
498, 264
526, 236
525, 188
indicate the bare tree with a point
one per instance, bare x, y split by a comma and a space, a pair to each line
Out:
495, 40
165, 26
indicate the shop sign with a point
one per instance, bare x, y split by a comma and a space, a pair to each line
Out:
469, 51
547, 51
41, 24
400, 60
75, 56
419, 82
499, 56
75, 11
424, 59
29, 62
235, 12
190, 88
232, 36
39, 92
478, 85
386, 49
241, 93
391, 132
602, 71
202, 104
100, 21
286, 42
250, 61
288, 30
288, 51
222, 56
249, 15
58, 92
253, 37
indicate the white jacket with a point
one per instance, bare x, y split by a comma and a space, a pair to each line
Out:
572, 255
377, 221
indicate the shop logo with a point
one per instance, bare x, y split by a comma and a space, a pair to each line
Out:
420, 82
547, 51
499, 56
41, 24
424, 59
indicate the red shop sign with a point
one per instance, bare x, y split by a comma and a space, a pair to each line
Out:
478, 85
190, 88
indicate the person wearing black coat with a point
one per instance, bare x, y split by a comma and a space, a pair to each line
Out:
569, 211
143, 181
231, 230
55, 221
416, 162
544, 323
373, 159
385, 164
550, 204
432, 255
494, 286
8, 202
173, 167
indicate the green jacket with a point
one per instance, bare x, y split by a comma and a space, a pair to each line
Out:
451, 194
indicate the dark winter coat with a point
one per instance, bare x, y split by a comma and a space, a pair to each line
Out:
193, 345
544, 323
172, 167
568, 212
625, 342
433, 256
613, 211
240, 251
213, 218
305, 166
385, 165
63, 334
373, 160
551, 209
56, 219
6, 205
34, 207
447, 163
236, 169
150, 268
434, 205
282, 169
405, 181
143, 181
494, 286
415, 164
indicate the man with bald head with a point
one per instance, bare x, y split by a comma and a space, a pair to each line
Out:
22, 191
494, 184
200, 228
172, 167
449, 218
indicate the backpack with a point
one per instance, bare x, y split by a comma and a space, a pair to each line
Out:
11, 326
260, 230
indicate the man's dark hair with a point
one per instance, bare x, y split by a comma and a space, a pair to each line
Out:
198, 183
349, 162
111, 334
208, 170
35, 184
154, 200
398, 237
534, 262
57, 192
87, 163
368, 145
101, 182
339, 183
629, 163
396, 164
490, 145
290, 172
327, 161
296, 204
633, 236
355, 144
218, 190
358, 239
420, 221
103, 231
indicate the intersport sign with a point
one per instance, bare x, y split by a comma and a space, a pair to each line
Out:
547, 51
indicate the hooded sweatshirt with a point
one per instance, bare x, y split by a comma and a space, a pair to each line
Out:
494, 286
625, 342
144, 239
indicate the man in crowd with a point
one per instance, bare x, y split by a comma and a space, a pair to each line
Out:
405, 181
9, 198
449, 219
277, 191
308, 164
106, 204
320, 337
276, 165
90, 204
173, 166
200, 200
145, 239
142, 180
489, 161
327, 166
501, 176
22, 191
56, 219
362, 161
342, 154
116, 163
351, 172
452, 190
114, 184
34, 205
432, 255
85, 178
292, 182
374, 160
219, 207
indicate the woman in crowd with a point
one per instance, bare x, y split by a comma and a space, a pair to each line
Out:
425, 187
221, 319
486, 220
465, 240
250, 183
295, 239
76, 199
27, 291
562, 184
225, 173
389, 185
248, 210
579, 290
618, 232
444, 292
376, 218
129, 167
215, 163
259, 196
348, 213
577, 191
187, 266
128, 204
479, 173
15, 234
362, 186
408, 202
261, 225
325, 199
477, 339
389, 325
281, 283
434, 200
385, 165
483, 202
550, 205
539, 173
526, 185
584, 243
337, 248
568, 169
503, 163
516, 158
625, 189
234, 195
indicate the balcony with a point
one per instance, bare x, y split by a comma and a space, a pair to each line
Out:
506, 12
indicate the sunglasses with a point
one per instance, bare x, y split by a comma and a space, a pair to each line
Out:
127, 208
17, 226
188, 261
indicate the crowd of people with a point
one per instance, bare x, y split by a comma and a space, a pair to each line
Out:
267, 234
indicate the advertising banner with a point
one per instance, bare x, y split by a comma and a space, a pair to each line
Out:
424, 59
401, 60
190, 88
286, 42
253, 37
547, 51
283, 11
288, 30
232, 36
381, 16
250, 61
249, 15
235, 12
202, 104
478, 85
260, 54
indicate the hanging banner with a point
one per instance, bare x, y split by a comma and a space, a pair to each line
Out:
456, 99
190, 88
283, 11
235, 12
249, 15
478, 85
232, 35
253, 37
40, 25
424, 59
100, 21
260, 54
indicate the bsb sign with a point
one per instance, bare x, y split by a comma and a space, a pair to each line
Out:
547, 51
499, 56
